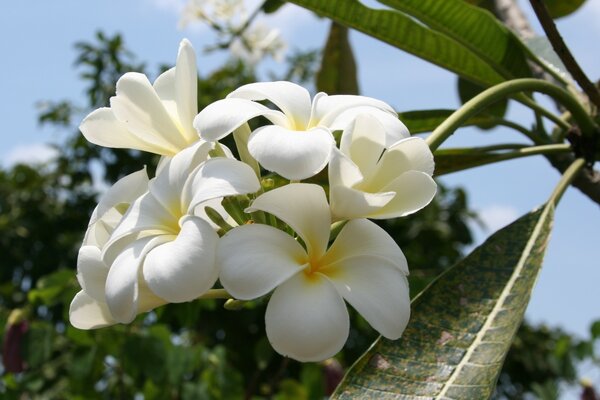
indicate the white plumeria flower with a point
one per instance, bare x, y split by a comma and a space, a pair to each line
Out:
300, 142
368, 179
88, 309
256, 43
155, 118
163, 241
306, 317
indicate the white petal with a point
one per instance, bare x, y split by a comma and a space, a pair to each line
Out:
306, 319
406, 155
92, 272
164, 86
220, 177
255, 259
183, 269
124, 191
304, 208
87, 313
101, 127
292, 154
292, 99
376, 289
186, 88
343, 171
414, 190
361, 237
122, 287
168, 185
349, 203
394, 128
138, 105
222, 117
327, 108
364, 142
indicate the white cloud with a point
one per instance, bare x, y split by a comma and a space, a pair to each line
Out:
35, 153
497, 216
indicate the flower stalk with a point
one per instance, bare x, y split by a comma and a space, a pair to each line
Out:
566, 179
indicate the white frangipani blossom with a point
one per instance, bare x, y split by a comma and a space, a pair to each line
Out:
257, 42
89, 309
163, 242
155, 118
299, 143
369, 179
306, 317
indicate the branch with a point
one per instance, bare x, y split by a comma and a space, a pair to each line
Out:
564, 53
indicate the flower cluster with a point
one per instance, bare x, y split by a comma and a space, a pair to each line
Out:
171, 238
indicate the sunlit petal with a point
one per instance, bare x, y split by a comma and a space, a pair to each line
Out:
254, 259
306, 319
184, 268
414, 190
88, 313
361, 237
222, 117
304, 208
348, 203
326, 109
186, 89
363, 141
343, 171
377, 289
292, 154
394, 128
92, 272
292, 99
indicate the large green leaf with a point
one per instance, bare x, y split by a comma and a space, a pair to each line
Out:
420, 121
462, 325
475, 28
562, 8
402, 31
337, 74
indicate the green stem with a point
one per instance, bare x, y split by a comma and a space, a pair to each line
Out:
505, 89
566, 179
519, 128
216, 294
541, 110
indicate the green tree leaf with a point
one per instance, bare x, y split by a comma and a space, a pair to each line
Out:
402, 31
337, 74
467, 90
462, 325
562, 8
473, 27
420, 121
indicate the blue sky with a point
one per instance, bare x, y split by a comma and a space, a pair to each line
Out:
36, 41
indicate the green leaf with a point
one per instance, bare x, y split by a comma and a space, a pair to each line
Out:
473, 27
461, 326
337, 74
402, 31
271, 6
420, 121
562, 8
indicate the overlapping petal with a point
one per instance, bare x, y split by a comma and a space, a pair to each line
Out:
86, 312
263, 258
184, 268
292, 154
414, 190
306, 318
304, 208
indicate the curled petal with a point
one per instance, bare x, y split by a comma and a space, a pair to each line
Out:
406, 155
348, 203
183, 269
101, 127
222, 117
304, 208
361, 237
292, 99
92, 272
306, 319
255, 259
122, 288
414, 190
124, 191
220, 177
292, 154
343, 171
186, 89
326, 109
363, 141
394, 128
87, 313
138, 105
377, 289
